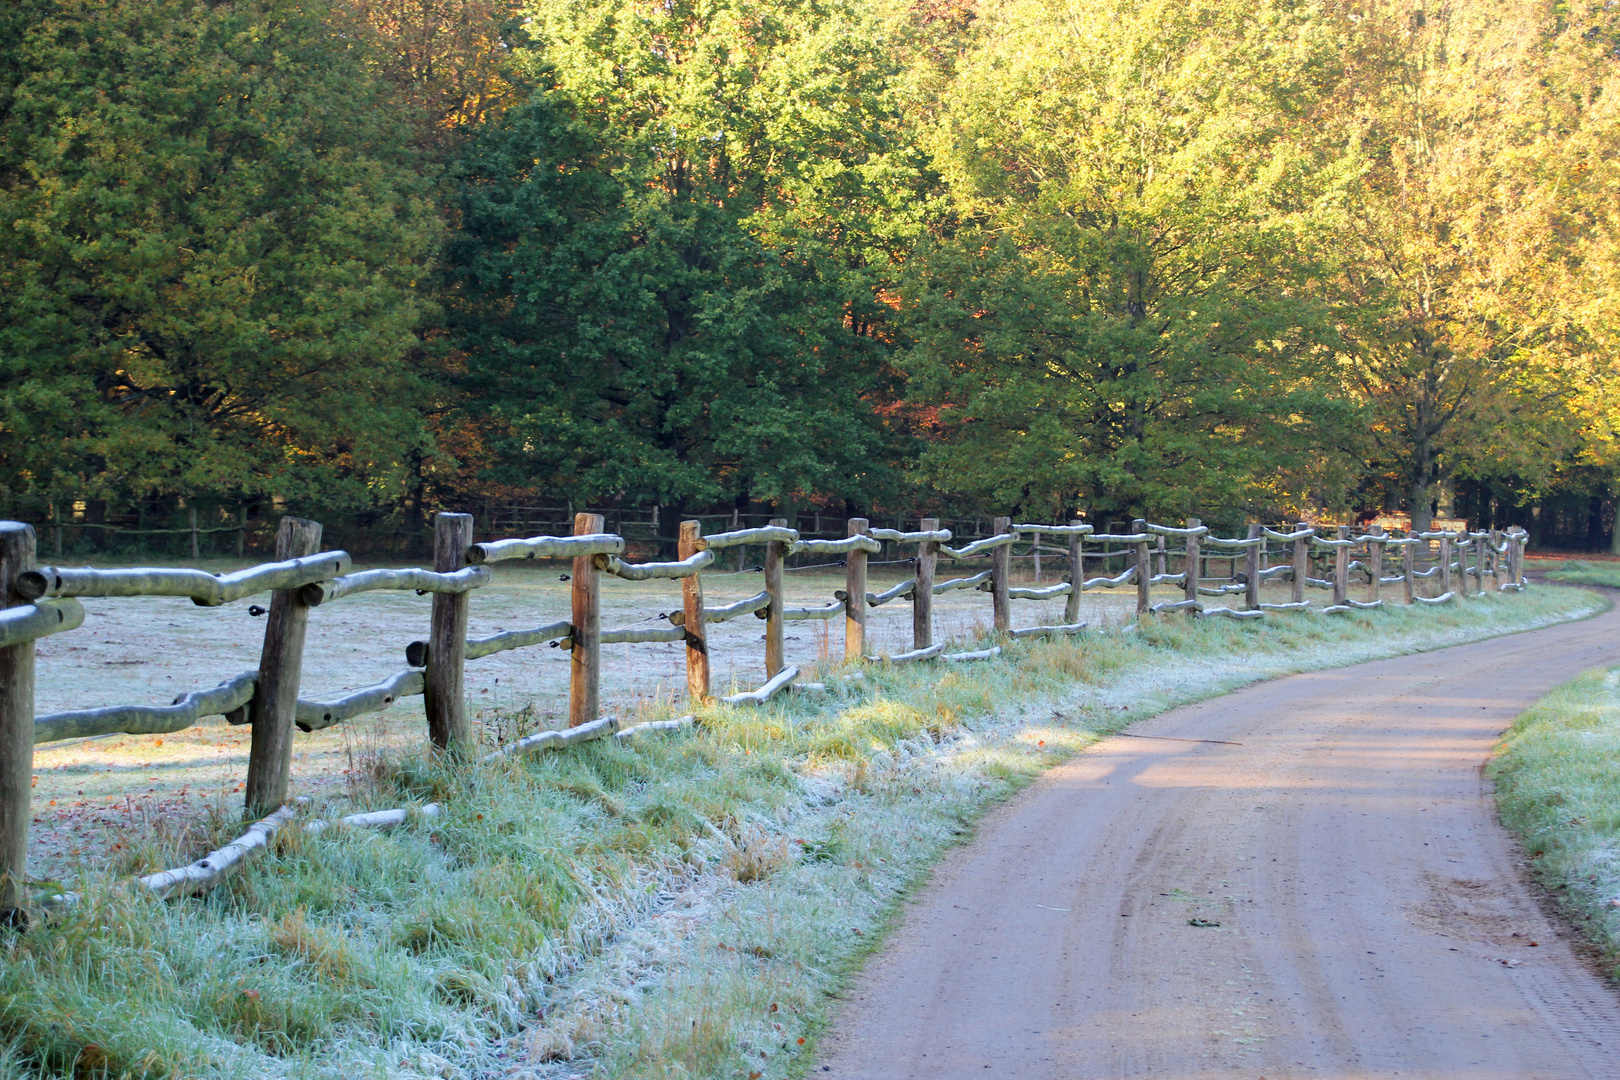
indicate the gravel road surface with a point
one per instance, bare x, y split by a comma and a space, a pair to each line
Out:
1325, 891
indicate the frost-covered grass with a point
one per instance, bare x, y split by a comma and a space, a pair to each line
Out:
1586, 572
674, 905
1556, 787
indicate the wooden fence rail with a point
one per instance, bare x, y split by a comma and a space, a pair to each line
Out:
42, 601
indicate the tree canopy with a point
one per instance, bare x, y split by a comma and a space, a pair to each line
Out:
212, 243
1123, 315
1126, 256
671, 254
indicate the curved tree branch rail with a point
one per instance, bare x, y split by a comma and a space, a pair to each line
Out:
43, 601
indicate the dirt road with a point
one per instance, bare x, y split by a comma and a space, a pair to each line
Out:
1373, 917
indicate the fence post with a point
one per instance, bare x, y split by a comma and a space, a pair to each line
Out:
697, 635
17, 546
1408, 559
1251, 569
1375, 553
774, 549
855, 596
1302, 564
1445, 564
1077, 576
1341, 567
275, 700
444, 697
1000, 564
1144, 569
1164, 557
1496, 560
922, 597
1193, 566
585, 658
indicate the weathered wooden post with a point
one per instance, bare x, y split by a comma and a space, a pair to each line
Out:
775, 551
17, 545
697, 634
1375, 554
1144, 568
1251, 568
1000, 566
1445, 564
1194, 566
1164, 556
444, 693
1408, 559
1035, 549
585, 657
855, 595
922, 595
1341, 567
1302, 563
1077, 576
275, 700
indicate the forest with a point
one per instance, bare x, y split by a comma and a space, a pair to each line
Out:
367, 259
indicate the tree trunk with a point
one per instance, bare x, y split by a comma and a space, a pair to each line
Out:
1422, 506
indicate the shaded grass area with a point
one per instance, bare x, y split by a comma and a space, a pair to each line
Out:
1586, 572
674, 905
1556, 786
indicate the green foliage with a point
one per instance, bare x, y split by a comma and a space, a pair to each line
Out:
1476, 235
210, 254
671, 254
1132, 256
1125, 319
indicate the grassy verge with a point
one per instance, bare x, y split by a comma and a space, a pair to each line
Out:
675, 906
1586, 572
1555, 786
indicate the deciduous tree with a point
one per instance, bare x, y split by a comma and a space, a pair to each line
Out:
671, 255
1125, 316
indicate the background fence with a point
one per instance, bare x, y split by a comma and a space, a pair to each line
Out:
43, 601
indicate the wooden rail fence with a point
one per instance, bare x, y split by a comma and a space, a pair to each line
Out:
39, 601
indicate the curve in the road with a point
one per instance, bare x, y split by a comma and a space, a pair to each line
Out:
1374, 918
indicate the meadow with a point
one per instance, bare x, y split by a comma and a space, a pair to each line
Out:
679, 904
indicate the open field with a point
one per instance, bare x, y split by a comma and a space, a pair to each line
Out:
148, 650
679, 906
